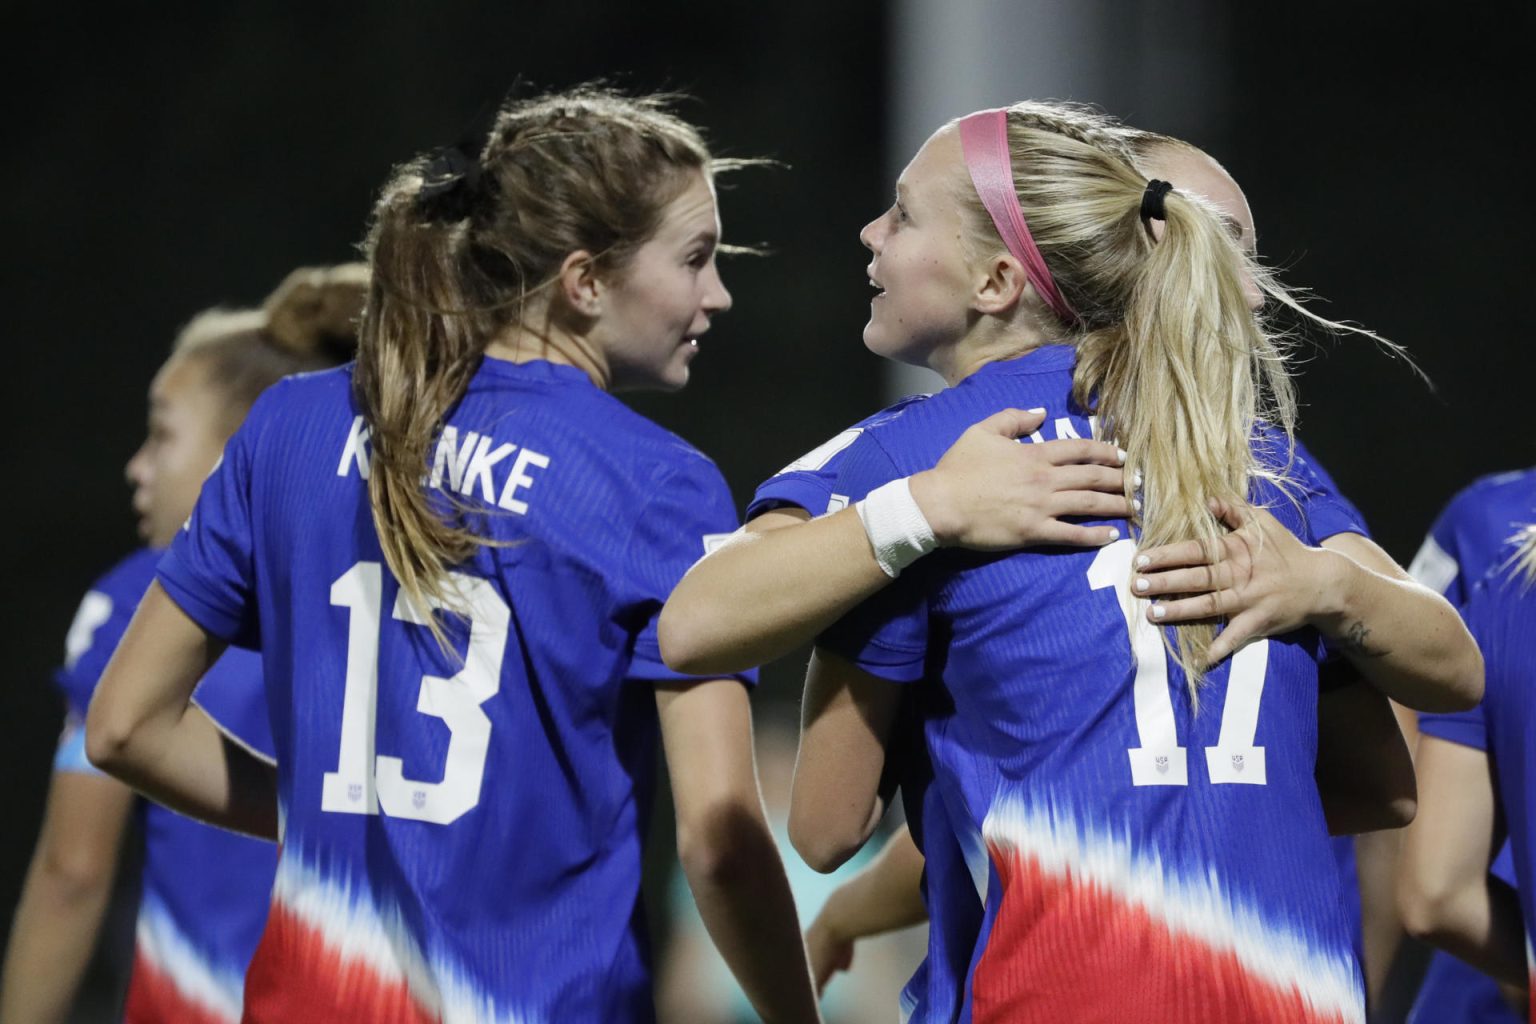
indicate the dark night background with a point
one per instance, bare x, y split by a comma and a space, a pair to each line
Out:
159, 163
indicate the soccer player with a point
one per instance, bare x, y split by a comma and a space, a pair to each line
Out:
1477, 773
1124, 875
452, 555
1476, 534
204, 891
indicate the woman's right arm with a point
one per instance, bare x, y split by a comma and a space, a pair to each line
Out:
64, 897
772, 589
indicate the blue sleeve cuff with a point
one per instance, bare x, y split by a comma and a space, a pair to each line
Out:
70, 757
807, 490
1466, 728
190, 595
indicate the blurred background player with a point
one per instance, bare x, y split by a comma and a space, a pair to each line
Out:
1477, 769
1175, 298
466, 741
1477, 534
204, 891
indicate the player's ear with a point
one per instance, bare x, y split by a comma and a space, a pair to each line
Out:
999, 284
580, 285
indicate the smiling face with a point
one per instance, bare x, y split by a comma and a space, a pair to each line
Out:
186, 435
655, 308
919, 264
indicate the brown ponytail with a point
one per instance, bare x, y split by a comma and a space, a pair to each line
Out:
587, 170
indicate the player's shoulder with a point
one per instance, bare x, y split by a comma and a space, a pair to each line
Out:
295, 402
1511, 488
827, 451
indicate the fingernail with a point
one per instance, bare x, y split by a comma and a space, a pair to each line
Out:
1136, 504
1121, 453
1158, 611
1143, 584
1142, 561
1114, 535
1138, 479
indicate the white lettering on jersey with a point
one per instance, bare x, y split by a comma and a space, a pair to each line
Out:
452, 456
1064, 428
822, 454
480, 467
836, 503
520, 478
458, 466
355, 451
95, 609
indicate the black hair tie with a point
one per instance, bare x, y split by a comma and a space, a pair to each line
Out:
450, 184
1152, 202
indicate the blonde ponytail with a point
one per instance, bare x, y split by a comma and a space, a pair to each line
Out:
1181, 373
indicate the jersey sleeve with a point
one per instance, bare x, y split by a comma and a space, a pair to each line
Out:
1465, 728
810, 482
689, 514
887, 635
98, 626
70, 755
210, 568
1327, 511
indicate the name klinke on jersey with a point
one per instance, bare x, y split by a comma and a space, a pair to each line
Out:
475, 464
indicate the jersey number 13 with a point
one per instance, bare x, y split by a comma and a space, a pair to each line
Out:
365, 782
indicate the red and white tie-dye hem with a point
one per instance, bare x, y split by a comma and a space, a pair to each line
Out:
155, 998
1065, 947
297, 975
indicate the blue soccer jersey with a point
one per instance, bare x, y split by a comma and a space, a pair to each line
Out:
462, 830
204, 896
1501, 613
1470, 538
1136, 860
1472, 534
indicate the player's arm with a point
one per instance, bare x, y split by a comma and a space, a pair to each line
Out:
64, 897
1445, 893
883, 897
1364, 770
1404, 638
772, 589
845, 722
727, 849
144, 728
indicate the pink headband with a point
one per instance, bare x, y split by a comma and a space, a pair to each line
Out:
984, 140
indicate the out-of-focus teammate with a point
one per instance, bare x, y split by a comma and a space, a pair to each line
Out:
204, 891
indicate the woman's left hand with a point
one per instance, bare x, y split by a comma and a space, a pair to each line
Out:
1262, 580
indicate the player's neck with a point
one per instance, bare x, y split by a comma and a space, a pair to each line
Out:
520, 344
989, 341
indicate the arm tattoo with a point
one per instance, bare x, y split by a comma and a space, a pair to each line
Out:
1357, 640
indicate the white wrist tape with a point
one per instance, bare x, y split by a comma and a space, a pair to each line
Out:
897, 528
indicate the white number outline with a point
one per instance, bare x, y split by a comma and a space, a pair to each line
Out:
365, 782
1160, 761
